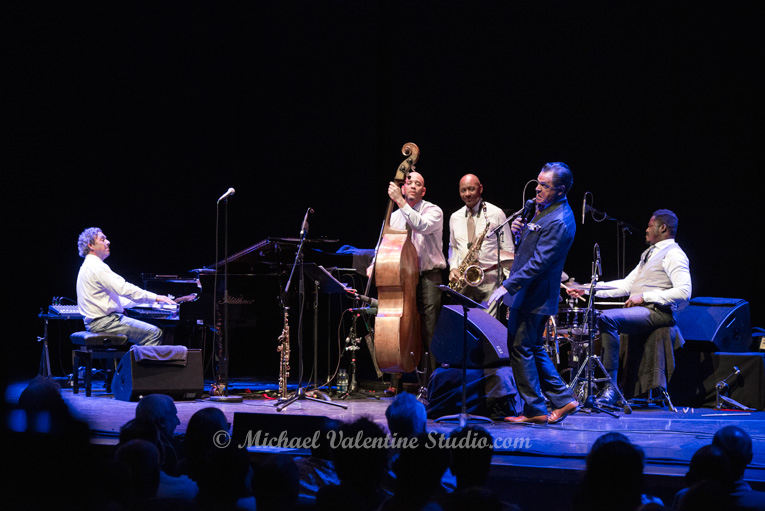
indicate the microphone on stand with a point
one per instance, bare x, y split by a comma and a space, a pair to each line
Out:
584, 207
598, 264
304, 227
364, 310
371, 301
226, 195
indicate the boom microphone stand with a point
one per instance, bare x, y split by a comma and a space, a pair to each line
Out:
300, 394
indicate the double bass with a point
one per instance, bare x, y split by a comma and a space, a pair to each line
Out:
398, 343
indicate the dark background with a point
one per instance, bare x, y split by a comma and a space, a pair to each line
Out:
136, 117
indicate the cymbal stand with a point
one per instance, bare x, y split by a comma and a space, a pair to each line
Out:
589, 405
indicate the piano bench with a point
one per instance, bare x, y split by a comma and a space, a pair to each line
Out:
96, 346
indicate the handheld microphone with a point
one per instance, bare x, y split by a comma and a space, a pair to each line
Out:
528, 213
226, 195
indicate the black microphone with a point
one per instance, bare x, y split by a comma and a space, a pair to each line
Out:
528, 209
598, 264
371, 301
226, 195
304, 227
528, 213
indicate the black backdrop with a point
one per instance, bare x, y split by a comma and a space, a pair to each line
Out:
135, 117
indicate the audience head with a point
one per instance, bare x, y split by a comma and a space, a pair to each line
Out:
737, 446
142, 459
472, 451
161, 409
358, 465
613, 476
406, 416
709, 463
275, 482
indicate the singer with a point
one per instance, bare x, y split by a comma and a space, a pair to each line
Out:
532, 291
427, 223
102, 295
657, 285
465, 228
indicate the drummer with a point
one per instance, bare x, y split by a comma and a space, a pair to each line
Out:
657, 285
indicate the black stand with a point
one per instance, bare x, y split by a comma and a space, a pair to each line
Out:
323, 280
588, 404
623, 229
222, 380
352, 346
466, 304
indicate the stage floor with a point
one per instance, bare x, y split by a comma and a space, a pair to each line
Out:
524, 454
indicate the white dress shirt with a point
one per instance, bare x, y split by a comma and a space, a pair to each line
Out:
677, 268
427, 223
458, 235
101, 292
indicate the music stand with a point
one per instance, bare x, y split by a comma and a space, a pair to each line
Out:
324, 282
463, 417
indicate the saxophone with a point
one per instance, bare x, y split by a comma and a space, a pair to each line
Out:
470, 272
284, 350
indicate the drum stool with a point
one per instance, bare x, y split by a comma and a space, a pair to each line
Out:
96, 346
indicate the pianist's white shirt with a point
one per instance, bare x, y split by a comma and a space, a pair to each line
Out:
101, 292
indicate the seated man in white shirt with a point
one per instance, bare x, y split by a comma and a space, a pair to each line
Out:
657, 285
102, 295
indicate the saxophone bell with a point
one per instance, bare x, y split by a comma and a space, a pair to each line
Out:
473, 275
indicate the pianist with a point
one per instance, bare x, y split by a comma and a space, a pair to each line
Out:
102, 295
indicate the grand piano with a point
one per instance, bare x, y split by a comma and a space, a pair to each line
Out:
256, 278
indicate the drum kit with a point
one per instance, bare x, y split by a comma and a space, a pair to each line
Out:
571, 338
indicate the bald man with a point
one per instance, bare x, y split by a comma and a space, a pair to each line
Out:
427, 223
462, 236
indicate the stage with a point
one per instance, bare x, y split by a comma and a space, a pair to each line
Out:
547, 456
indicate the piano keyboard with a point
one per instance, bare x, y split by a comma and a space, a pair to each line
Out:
67, 311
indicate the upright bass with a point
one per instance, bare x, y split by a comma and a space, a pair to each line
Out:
396, 272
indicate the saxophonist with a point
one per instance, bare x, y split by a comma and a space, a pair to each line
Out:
470, 246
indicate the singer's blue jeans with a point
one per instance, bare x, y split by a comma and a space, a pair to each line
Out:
632, 320
534, 372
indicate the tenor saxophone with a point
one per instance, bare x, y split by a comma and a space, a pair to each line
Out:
284, 357
469, 270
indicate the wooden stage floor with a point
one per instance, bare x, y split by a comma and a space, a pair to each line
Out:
526, 455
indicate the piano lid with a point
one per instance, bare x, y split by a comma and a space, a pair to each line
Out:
266, 251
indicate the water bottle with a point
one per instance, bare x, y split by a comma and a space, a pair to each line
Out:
342, 381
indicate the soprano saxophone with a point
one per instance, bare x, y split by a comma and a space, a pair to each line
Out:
284, 358
469, 270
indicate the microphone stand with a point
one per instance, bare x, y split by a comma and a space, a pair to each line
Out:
222, 376
623, 229
301, 394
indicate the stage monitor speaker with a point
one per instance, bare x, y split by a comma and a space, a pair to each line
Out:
716, 324
136, 379
272, 430
696, 375
486, 339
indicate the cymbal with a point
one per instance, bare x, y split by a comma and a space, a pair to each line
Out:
586, 287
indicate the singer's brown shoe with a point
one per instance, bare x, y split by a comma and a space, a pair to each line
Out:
560, 414
522, 419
